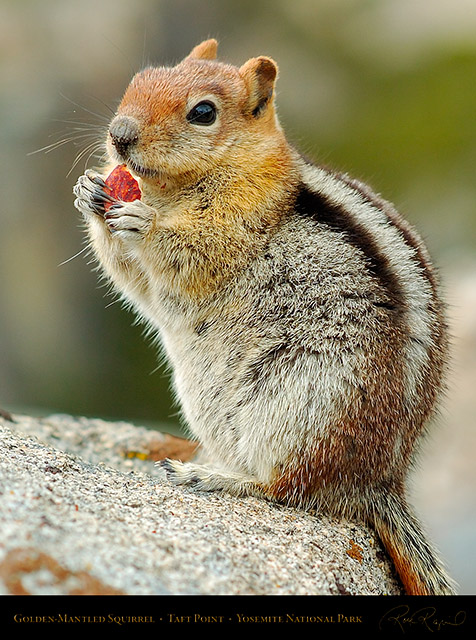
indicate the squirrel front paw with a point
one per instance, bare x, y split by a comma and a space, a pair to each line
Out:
129, 220
91, 195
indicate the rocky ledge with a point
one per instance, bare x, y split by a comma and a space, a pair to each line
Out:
84, 510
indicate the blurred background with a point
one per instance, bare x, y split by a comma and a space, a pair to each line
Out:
384, 89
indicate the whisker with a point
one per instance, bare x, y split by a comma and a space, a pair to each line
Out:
82, 126
50, 147
88, 137
125, 57
58, 143
100, 116
104, 104
93, 147
144, 47
93, 154
86, 248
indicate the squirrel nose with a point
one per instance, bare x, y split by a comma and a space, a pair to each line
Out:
124, 132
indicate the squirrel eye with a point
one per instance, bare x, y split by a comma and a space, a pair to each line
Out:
203, 113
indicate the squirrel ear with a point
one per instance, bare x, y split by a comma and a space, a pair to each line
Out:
260, 76
206, 50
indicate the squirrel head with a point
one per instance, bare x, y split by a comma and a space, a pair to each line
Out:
184, 121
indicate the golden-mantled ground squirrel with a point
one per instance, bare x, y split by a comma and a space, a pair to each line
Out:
299, 311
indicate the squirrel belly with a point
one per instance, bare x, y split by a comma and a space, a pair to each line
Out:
300, 313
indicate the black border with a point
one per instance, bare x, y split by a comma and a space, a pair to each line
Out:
324, 615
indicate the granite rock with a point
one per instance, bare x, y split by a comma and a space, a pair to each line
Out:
84, 510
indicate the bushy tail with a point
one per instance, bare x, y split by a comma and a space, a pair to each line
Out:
416, 562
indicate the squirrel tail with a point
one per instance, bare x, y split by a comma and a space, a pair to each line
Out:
416, 562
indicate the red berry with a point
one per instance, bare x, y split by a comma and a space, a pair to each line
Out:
121, 186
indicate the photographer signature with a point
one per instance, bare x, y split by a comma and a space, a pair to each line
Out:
426, 617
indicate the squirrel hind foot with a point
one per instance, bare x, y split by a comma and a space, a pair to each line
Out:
205, 478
